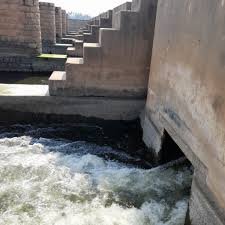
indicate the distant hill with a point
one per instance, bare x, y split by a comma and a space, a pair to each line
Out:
78, 16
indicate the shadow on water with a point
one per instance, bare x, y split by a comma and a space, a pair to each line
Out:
119, 141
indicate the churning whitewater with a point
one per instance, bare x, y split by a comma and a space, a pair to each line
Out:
51, 181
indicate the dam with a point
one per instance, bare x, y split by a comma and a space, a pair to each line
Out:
114, 120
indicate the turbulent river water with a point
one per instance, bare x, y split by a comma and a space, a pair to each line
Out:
49, 180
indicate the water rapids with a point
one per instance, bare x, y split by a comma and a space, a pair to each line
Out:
52, 181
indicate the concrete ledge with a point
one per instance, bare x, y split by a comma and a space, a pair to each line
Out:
36, 100
78, 44
79, 37
203, 210
71, 52
67, 40
56, 81
71, 35
65, 91
74, 61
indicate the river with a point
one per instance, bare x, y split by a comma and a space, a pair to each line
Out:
55, 180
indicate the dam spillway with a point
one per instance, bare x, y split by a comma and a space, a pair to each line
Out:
50, 180
155, 64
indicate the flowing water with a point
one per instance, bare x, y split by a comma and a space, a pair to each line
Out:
49, 180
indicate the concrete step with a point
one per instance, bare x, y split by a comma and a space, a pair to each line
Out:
79, 37
77, 41
84, 31
92, 53
57, 82
72, 33
91, 45
95, 29
67, 40
105, 22
71, 52
78, 45
56, 49
118, 66
93, 36
74, 61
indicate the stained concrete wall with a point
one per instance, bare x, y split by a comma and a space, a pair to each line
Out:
104, 20
20, 32
75, 25
118, 66
58, 22
48, 27
124, 7
186, 97
64, 32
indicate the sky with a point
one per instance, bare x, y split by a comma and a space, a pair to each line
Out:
90, 7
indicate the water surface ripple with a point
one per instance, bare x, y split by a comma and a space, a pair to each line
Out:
62, 182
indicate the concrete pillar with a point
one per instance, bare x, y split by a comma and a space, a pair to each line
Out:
67, 20
63, 23
20, 32
48, 28
58, 22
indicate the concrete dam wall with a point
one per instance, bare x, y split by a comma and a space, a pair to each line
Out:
186, 97
117, 66
162, 61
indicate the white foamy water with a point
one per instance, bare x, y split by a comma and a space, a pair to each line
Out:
41, 184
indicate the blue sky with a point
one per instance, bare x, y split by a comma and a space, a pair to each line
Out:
90, 7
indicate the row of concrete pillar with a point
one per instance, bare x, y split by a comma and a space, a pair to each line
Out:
23, 31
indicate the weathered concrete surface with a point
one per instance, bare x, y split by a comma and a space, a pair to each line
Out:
119, 65
104, 20
48, 26
186, 96
78, 49
20, 32
56, 48
64, 31
91, 33
124, 7
58, 22
35, 99
71, 52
